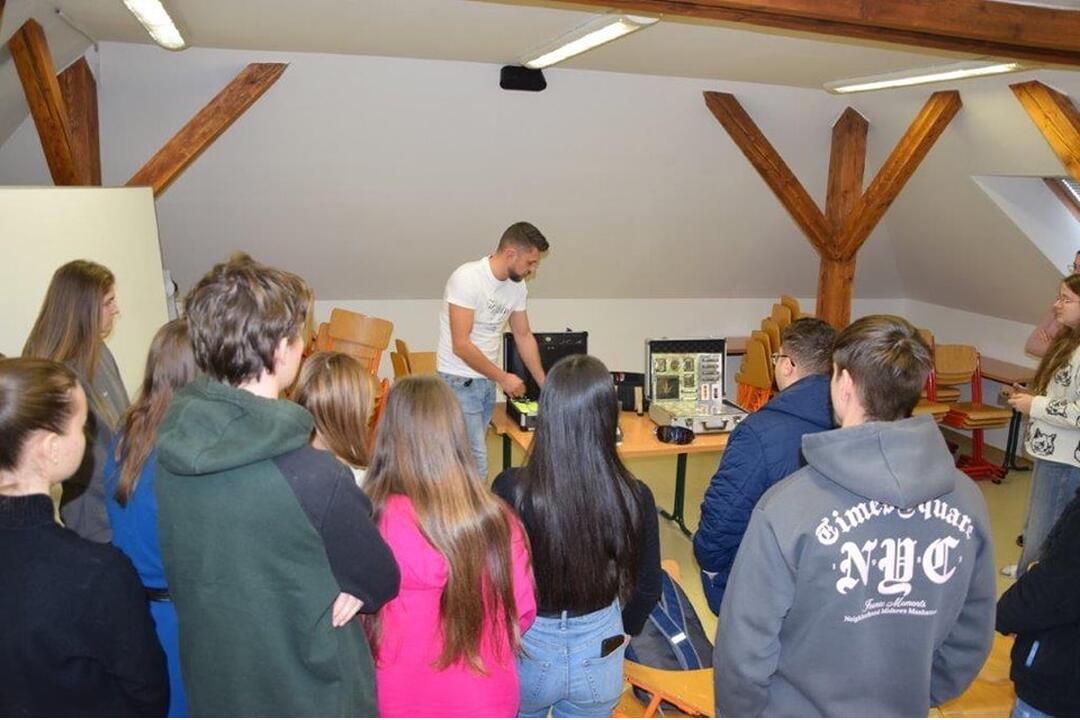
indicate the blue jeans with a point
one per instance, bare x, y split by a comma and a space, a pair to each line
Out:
1022, 710
561, 669
1053, 485
477, 398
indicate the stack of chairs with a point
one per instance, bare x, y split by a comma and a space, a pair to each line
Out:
754, 379
959, 364
930, 402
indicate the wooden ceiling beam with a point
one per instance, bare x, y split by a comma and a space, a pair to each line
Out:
897, 169
979, 27
30, 51
79, 90
206, 126
772, 168
847, 165
1056, 118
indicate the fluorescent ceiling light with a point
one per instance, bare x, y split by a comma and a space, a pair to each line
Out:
920, 76
592, 34
156, 20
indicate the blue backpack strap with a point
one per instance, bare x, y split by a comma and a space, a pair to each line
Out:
670, 620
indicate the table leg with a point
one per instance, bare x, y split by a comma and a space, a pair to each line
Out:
1012, 445
506, 450
676, 516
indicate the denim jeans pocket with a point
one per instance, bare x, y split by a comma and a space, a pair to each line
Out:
605, 676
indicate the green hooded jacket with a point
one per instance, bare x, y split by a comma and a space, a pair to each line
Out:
247, 567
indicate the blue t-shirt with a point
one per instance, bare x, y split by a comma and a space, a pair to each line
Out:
135, 526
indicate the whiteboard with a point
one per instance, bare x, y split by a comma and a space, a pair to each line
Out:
43, 228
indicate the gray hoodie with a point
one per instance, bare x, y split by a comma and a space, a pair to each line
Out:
865, 583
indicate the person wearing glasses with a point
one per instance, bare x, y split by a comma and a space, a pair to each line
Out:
1039, 341
1053, 434
764, 448
864, 585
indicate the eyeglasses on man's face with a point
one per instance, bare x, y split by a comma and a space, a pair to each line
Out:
1062, 300
776, 357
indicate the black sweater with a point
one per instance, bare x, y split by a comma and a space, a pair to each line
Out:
649, 577
76, 637
1044, 607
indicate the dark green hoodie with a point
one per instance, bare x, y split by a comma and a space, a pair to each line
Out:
259, 534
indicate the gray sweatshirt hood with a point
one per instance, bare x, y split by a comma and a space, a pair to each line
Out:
902, 463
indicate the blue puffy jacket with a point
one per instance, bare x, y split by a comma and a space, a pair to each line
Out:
763, 449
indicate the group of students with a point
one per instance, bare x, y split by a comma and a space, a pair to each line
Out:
789, 563
234, 548
265, 561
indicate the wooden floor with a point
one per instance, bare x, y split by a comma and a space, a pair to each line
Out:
991, 696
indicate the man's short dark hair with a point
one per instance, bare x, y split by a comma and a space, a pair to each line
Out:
523, 236
239, 312
809, 344
888, 361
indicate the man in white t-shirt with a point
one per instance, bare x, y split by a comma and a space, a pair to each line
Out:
480, 297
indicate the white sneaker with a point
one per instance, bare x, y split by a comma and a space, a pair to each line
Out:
1009, 571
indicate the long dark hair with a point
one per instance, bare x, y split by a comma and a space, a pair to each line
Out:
579, 504
422, 452
170, 365
1061, 348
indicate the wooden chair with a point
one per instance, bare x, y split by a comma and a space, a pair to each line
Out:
935, 391
771, 328
753, 380
377, 411
782, 315
401, 369
960, 363
793, 305
691, 691
417, 363
356, 334
770, 348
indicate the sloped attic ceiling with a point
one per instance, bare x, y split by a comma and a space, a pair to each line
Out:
374, 176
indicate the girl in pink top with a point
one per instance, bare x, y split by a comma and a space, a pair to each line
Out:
446, 645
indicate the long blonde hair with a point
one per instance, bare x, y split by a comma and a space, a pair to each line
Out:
339, 392
170, 365
68, 326
1061, 348
422, 452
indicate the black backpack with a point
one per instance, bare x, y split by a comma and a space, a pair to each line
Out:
673, 638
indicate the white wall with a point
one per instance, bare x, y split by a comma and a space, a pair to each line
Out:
43, 228
1039, 213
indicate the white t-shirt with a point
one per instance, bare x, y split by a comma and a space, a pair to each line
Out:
473, 286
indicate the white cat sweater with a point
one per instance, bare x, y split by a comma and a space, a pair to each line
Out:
1054, 431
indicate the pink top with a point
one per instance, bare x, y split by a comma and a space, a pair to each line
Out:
411, 639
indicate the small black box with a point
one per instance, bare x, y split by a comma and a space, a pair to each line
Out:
519, 77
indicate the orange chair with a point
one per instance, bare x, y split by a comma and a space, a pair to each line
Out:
782, 315
753, 380
960, 363
416, 363
377, 412
401, 368
793, 305
691, 691
772, 328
